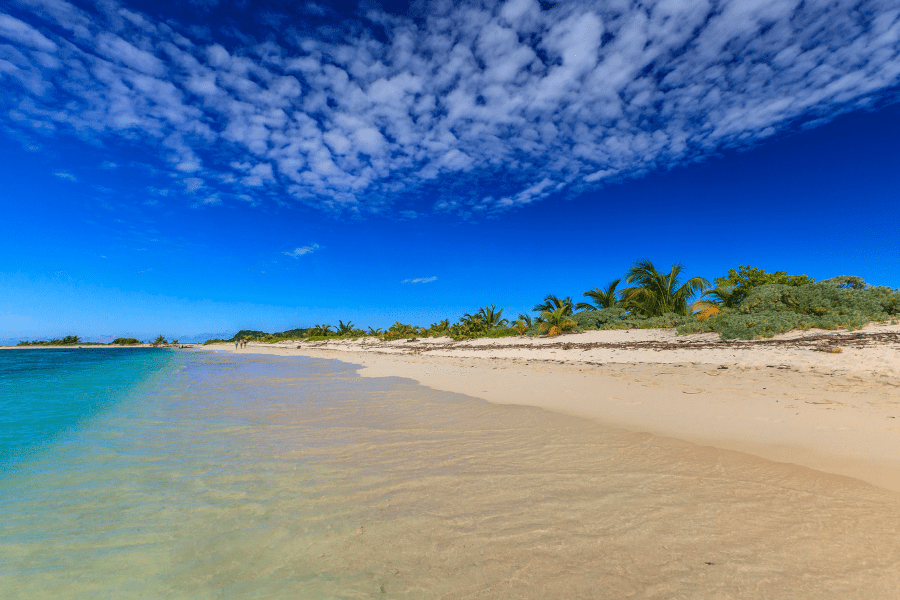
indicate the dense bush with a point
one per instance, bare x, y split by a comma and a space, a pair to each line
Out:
748, 277
619, 318
605, 318
500, 332
841, 302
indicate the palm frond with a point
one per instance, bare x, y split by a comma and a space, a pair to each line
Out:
655, 293
602, 298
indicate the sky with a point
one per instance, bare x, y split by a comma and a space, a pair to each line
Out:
194, 168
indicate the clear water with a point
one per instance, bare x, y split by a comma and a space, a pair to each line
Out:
187, 475
45, 393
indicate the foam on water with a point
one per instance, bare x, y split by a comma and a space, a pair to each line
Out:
268, 477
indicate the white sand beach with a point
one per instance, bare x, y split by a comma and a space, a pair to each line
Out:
827, 400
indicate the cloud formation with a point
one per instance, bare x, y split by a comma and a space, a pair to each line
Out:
420, 280
534, 101
301, 251
65, 175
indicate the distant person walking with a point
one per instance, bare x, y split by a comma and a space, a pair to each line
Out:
236, 343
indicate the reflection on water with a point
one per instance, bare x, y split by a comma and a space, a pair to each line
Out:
266, 477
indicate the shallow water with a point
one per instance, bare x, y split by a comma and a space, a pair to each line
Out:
266, 477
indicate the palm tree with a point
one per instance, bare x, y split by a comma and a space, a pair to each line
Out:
525, 319
654, 293
322, 329
727, 296
552, 302
605, 298
491, 317
375, 332
159, 340
345, 329
714, 300
441, 326
471, 320
402, 329
556, 321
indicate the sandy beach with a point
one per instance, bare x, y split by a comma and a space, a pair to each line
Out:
827, 400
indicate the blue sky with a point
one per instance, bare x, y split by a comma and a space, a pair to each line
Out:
194, 170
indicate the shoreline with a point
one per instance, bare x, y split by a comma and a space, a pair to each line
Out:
791, 399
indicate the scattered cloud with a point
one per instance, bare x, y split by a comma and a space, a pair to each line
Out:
420, 280
302, 250
192, 184
533, 101
65, 175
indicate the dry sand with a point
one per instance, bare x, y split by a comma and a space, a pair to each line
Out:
792, 399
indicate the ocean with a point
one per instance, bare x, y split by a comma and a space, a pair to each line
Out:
149, 473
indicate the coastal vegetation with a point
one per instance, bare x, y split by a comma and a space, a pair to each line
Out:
745, 303
74, 340
69, 340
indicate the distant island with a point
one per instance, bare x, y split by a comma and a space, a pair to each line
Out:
74, 340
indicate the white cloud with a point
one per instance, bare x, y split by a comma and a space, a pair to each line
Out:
65, 175
117, 49
420, 280
192, 184
515, 102
302, 250
22, 33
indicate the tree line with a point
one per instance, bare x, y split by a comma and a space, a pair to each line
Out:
747, 302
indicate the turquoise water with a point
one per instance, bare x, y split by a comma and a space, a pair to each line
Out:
195, 475
45, 393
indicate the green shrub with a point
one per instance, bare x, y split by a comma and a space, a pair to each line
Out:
747, 277
841, 302
500, 332
619, 318
126, 342
604, 318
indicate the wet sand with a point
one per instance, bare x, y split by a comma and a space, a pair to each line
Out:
432, 494
792, 399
